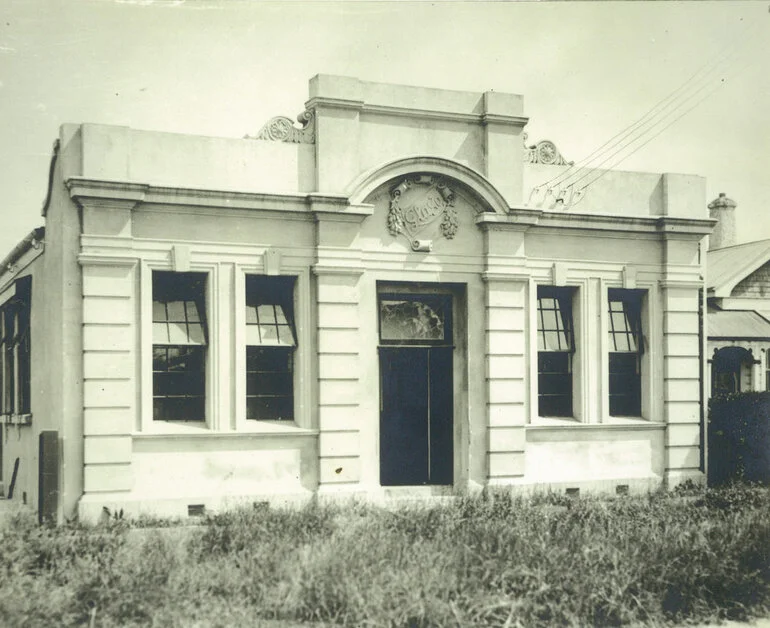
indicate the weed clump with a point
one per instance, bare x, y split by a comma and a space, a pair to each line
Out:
489, 560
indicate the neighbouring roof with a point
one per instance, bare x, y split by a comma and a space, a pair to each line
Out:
745, 324
727, 267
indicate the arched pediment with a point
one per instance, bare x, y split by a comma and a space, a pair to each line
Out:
365, 184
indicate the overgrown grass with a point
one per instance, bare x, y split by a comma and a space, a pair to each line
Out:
492, 560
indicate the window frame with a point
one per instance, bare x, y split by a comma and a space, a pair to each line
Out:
567, 298
201, 302
16, 350
286, 297
636, 325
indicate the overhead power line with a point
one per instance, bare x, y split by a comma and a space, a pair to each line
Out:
714, 88
659, 114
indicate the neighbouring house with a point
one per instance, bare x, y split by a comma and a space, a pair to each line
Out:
378, 301
738, 278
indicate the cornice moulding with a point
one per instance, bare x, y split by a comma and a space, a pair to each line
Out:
681, 283
516, 220
330, 206
107, 194
498, 118
333, 103
326, 269
447, 116
498, 276
320, 102
522, 218
357, 214
121, 194
686, 226
89, 259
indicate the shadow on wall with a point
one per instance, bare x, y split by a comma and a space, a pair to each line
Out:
739, 438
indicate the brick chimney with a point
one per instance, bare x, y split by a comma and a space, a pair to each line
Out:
723, 210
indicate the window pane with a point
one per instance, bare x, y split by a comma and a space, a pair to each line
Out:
177, 333
285, 336
411, 320
266, 314
269, 305
554, 319
179, 409
252, 335
625, 384
619, 322
624, 326
192, 311
269, 383
548, 319
160, 333
269, 334
176, 311
159, 358
268, 359
176, 299
195, 334
621, 342
555, 341
179, 383
269, 408
159, 311
554, 384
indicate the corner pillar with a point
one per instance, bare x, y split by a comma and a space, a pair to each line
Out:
682, 386
109, 373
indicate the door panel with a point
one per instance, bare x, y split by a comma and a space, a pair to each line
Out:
404, 416
416, 434
441, 459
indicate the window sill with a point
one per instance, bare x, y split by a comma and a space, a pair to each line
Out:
612, 423
189, 430
17, 419
552, 421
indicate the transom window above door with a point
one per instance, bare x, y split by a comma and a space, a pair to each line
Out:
415, 319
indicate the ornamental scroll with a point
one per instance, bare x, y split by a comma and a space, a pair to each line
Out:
419, 201
282, 129
544, 152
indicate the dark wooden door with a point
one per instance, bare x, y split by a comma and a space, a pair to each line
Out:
416, 422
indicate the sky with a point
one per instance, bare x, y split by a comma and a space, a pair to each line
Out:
587, 70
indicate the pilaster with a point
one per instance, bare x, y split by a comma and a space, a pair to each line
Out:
506, 359
109, 371
337, 276
339, 386
681, 381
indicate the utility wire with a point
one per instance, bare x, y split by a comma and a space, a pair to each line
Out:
714, 62
698, 102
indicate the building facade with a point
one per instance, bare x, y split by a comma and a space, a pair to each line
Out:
738, 307
376, 301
